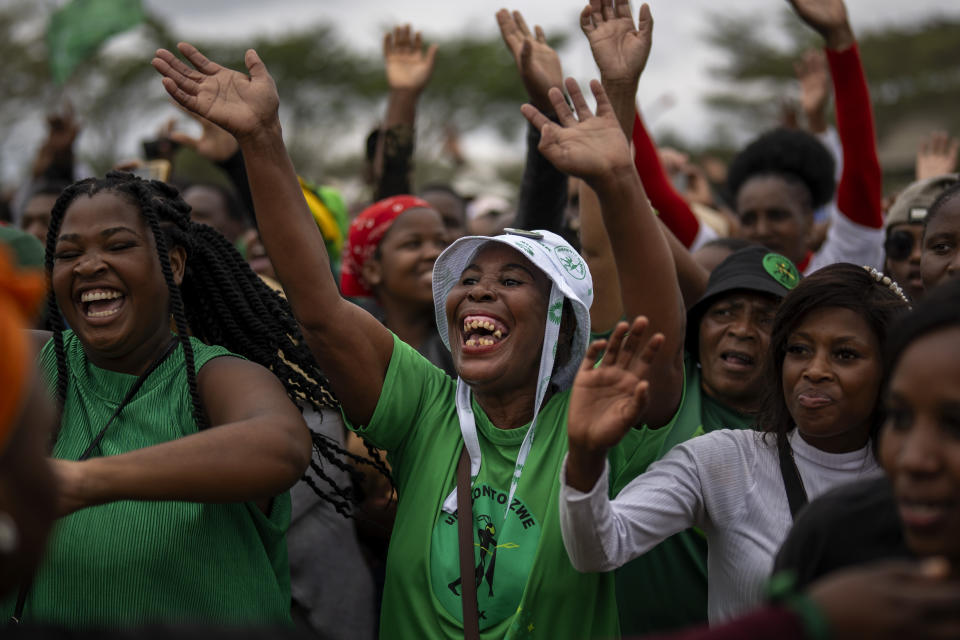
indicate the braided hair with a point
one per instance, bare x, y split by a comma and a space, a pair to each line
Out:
220, 301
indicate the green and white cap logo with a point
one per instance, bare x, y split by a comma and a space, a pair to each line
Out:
571, 261
782, 270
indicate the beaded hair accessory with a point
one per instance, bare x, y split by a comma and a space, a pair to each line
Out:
887, 281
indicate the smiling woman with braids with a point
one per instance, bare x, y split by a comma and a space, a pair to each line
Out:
173, 460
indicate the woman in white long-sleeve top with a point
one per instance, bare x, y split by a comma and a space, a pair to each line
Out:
820, 419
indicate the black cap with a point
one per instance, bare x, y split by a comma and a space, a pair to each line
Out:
754, 269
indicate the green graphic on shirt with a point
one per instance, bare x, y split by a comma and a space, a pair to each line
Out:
503, 554
781, 269
571, 261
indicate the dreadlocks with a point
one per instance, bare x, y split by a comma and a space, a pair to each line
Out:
220, 301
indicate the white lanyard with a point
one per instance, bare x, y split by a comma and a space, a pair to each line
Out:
468, 424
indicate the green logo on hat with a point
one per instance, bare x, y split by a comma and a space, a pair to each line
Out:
555, 313
522, 244
571, 261
782, 270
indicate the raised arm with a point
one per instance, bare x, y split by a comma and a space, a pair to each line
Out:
937, 155
814, 78
543, 190
596, 150
859, 193
351, 346
257, 447
621, 48
408, 67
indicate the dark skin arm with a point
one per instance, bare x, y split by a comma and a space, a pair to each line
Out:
621, 47
258, 446
595, 149
350, 345
408, 68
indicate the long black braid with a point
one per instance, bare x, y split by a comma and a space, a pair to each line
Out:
220, 301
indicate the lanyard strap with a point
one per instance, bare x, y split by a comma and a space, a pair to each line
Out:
127, 398
792, 482
468, 582
468, 424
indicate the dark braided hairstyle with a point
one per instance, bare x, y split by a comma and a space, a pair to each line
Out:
220, 301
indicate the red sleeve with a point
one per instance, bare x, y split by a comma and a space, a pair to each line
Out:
769, 623
671, 207
859, 193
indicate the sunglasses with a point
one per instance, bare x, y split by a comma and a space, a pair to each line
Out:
899, 245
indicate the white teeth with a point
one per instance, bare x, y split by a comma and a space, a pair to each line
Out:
498, 334
471, 342
101, 314
92, 296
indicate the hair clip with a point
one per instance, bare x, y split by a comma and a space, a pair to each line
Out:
887, 281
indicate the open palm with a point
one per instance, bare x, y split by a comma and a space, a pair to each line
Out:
240, 103
586, 146
407, 65
609, 399
620, 48
538, 63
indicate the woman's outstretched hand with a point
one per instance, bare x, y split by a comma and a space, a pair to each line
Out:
608, 400
242, 104
829, 19
408, 66
587, 146
538, 63
620, 47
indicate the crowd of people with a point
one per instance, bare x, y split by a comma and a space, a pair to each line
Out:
611, 407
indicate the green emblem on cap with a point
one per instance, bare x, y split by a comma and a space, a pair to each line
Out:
782, 270
525, 246
555, 313
571, 261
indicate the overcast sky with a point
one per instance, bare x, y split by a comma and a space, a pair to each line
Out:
678, 68
671, 91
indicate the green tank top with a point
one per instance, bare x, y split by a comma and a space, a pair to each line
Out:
133, 562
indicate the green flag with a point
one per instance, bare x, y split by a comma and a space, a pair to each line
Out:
80, 26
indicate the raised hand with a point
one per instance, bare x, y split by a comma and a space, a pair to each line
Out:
586, 146
215, 144
242, 104
814, 77
828, 18
937, 155
408, 67
62, 130
538, 63
609, 399
619, 47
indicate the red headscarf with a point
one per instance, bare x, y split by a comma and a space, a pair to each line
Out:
365, 233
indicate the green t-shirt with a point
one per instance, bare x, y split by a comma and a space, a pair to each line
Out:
527, 586
130, 562
666, 588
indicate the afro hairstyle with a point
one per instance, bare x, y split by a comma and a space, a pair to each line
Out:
791, 154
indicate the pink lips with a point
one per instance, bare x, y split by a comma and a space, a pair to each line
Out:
813, 399
923, 516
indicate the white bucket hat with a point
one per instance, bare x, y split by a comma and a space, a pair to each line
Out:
570, 278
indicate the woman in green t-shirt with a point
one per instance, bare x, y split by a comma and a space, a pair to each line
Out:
173, 462
514, 312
